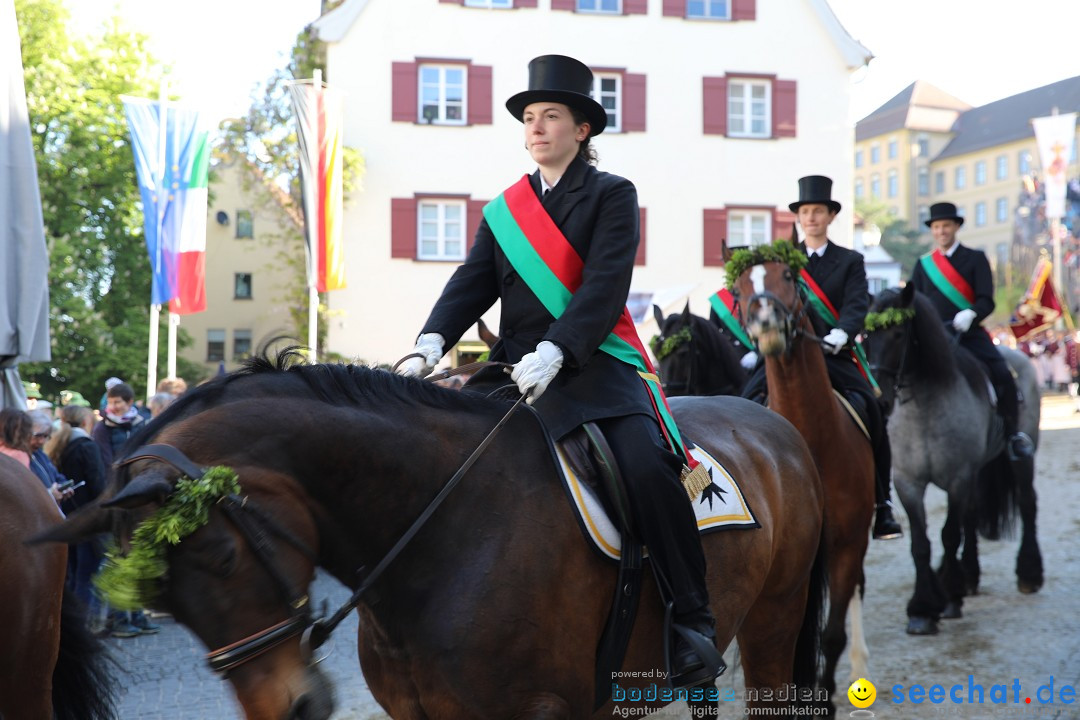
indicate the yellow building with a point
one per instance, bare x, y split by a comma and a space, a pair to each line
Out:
925, 146
249, 235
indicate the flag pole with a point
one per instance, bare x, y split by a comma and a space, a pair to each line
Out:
162, 197
313, 291
174, 324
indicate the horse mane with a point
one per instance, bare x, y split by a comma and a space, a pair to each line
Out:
288, 373
935, 355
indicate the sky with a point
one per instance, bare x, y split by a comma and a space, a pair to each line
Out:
976, 50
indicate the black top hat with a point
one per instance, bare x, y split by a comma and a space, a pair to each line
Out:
944, 211
815, 189
560, 79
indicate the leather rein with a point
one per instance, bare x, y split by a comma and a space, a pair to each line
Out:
257, 527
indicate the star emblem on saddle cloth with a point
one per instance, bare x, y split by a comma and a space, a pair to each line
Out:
713, 490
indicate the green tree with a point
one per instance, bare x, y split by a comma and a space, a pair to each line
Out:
98, 279
266, 142
897, 237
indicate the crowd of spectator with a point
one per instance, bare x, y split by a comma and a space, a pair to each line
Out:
69, 447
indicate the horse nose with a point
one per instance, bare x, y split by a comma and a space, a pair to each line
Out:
310, 706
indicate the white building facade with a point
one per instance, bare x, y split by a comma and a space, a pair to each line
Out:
716, 108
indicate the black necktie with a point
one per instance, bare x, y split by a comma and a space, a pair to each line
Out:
814, 259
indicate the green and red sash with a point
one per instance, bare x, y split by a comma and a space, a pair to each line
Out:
723, 303
947, 280
827, 312
552, 269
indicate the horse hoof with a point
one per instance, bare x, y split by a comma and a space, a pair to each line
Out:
1028, 587
921, 626
952, 611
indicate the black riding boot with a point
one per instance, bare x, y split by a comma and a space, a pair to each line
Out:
885, 525
1019, 444
694, 659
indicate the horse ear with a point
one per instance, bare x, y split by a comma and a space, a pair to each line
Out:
907, 295
794, 233
725, 251
79, 526
658, 316
147, 487
686, 313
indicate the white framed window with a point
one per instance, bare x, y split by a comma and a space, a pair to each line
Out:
607, 90
875, 186
1002, 210
980, 214
215, 345
858, 158
489, 3
923, 145
960, 177
749, 108
923, 181
894, 148
859, 190
600, 6
894, 183
708, 9
980, 172
440, 229
1023, 163
749, 227
442, 94
924, 215
875, 154
1002, 163
939, 181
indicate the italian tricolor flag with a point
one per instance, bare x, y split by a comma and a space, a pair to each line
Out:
191, 202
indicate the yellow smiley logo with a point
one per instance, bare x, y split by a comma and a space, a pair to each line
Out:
862, 693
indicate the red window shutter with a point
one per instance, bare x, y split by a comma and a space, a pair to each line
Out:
633, 103
674, 8
714, 236
524, 3
402, 228
743, 9
639, 259
714, 105
564, 5
784, 108
453, 2
635, 7
782, 221
474, 213
479, 95
404, 92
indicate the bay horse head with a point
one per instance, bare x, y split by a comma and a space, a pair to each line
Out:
239, 580
764, 280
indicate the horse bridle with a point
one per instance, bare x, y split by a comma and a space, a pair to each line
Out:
897, 372
257, 528
683, 387
792, 318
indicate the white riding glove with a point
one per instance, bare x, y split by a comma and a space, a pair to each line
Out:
430, 347
835, 341
537, 369
962, 320
749, 360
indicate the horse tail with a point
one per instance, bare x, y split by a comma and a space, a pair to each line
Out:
807, 665
82, 685
997, 495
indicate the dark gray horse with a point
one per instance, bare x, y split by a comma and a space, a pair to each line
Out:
694, 357
944, 431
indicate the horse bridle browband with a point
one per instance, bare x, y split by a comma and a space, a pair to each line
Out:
256, 527
792, 318
252, 524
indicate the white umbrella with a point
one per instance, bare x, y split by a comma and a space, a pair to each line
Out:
24, 260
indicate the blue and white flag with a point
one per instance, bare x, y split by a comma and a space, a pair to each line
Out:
171, 163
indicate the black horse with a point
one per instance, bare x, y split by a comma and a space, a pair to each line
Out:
694, 357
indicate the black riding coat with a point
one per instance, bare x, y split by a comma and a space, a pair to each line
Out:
598, 214
841, 275
971, 265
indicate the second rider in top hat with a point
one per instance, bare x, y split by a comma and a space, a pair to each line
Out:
841, 275
558, 357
